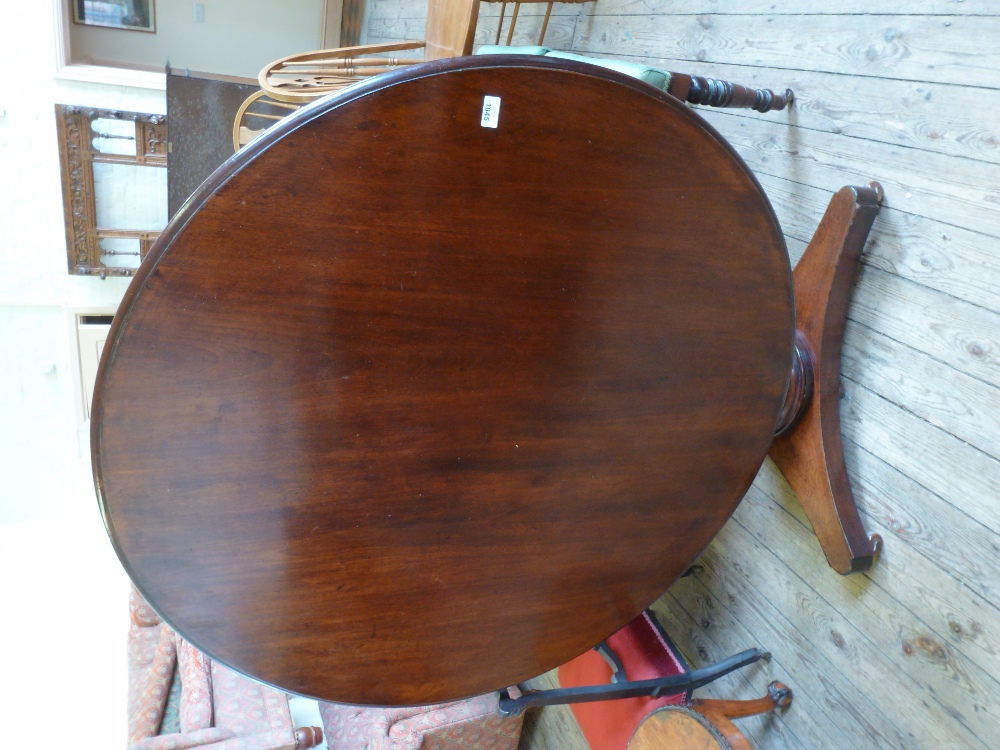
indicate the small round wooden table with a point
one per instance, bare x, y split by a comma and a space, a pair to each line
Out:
443, 380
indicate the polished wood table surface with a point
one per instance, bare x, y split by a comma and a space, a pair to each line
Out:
403, 408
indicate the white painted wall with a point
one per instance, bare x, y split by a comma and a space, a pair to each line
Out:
237, 37
63, 594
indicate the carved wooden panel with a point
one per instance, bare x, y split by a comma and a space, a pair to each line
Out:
77, 155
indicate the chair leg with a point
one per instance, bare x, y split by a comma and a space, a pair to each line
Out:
545, 24
735, 739
503, 9
715, 93
513, 21
307, 737
778, 695
673, 684
721, 712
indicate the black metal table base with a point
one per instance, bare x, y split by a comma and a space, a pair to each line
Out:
670, 685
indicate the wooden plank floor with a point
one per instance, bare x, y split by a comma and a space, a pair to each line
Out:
908, 655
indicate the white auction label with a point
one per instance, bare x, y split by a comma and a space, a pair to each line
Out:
491, 111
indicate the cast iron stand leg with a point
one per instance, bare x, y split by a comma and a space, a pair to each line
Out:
672, 685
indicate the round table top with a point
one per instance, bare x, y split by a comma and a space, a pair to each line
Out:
403, 408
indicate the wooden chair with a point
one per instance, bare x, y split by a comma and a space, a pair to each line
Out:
296, 79
513, 18
642, 650
180, 698
256, 115
450, 32
470, 724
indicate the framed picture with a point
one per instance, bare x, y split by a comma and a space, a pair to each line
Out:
132, 15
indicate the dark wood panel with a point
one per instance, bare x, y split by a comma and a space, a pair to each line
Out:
200, 111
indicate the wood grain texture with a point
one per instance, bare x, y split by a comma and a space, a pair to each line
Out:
949, 259
926, 454
929, 135
724, 606
771, 8
558, 34
912, 181
905, 376
673, 8
950, 343
903, 637
554, 727
808, 450
450, 28
936, 117
679, 727
417, 9
910, 47
962, 336
924, 561
705, 642
778, 696
398, 391
845, 647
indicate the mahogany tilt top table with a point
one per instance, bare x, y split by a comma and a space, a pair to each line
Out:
443, 380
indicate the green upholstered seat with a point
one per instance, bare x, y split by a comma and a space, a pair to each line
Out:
646, 73
499, 49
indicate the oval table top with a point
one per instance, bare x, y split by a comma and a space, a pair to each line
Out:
402, 408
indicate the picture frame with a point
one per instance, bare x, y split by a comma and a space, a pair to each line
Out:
128, 15
139, 140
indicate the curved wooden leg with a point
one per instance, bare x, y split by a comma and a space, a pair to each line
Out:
807, 447
734, 738
721, 712
778, 695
